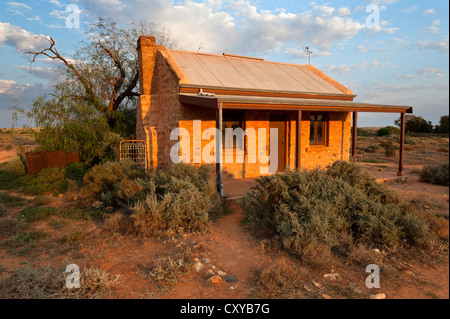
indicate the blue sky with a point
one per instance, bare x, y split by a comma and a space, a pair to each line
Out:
403, 60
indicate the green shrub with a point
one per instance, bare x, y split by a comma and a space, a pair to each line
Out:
33, 214
389, 148
7, 180
316, 211
10, 201
76, 171
113, 183
47, 181
14, 167
179, 199
371, 148
435, 174
388, 130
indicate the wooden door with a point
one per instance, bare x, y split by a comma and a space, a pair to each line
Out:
279, 122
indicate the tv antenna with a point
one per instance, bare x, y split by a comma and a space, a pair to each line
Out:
309, 52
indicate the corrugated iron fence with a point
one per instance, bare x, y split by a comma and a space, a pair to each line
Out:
39, 160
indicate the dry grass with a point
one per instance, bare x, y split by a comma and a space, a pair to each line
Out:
277, 280
418, 150
49, 283
169, 270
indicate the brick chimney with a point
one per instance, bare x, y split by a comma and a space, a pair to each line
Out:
146, 47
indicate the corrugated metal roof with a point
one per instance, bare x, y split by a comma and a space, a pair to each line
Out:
247, 73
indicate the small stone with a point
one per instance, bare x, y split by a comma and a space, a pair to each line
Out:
221, 273
215, 280
230, 278
232, 287
206, 260
324, 296
210, 273
378, 296
377, 251
332, 276
198, 266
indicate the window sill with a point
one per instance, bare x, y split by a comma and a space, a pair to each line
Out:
317, 148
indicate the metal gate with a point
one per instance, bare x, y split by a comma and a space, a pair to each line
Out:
134, 150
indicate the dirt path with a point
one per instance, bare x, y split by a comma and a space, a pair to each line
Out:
230, 249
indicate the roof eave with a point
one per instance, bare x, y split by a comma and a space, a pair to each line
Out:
254, 103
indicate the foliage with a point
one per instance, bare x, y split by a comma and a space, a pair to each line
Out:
113, 183
76, 171
178, 200
317, 210
387, 131
443, 124
435, 174
389, 148
10, 201
415, 124
362, 132
14, 167
47, 181
93, 104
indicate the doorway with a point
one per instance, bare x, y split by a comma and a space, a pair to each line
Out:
278, 121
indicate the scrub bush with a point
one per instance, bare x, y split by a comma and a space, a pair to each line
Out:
113, 184
319, 211
179, 199
435, 174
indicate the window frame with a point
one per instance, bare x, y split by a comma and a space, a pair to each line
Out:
231, 116
315, 130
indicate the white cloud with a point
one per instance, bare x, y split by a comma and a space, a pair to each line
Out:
441, 46
379, 64
410, 9
361, 48
10, 87
434, 27
344, 11
325, 9
406, 76
429, 11
47, 73
20, 39
342, 69
17, 8
234, 26
431, 72
56, 3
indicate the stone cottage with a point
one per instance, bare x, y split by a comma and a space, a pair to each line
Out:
194, 91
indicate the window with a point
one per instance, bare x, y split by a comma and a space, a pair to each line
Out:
231, 120
317, 133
